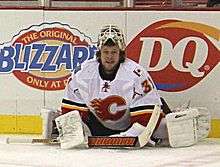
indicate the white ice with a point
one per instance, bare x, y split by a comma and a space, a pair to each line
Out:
203, 154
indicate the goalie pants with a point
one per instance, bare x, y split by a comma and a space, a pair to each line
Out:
96, 128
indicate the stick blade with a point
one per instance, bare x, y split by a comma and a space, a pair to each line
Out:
116, 142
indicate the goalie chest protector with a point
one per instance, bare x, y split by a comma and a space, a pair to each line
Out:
117, 96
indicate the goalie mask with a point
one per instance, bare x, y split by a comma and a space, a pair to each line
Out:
111, 32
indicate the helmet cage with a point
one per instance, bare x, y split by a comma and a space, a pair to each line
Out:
111, 32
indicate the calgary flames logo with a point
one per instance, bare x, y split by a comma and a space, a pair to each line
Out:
111, 108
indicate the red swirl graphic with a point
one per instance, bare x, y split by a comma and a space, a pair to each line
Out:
111, 108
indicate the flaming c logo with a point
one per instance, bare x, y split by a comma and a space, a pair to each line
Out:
177, 54
110, 108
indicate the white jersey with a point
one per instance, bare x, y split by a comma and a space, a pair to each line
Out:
131, 88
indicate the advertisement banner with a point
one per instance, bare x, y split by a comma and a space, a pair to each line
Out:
180, 50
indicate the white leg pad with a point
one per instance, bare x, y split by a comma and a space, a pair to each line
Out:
187, 127
181, 128
203, 123
48, 116
70, 129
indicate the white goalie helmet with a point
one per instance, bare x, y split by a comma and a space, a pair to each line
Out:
111, 32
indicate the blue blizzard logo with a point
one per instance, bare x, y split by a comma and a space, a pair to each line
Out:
43, 56
32, 57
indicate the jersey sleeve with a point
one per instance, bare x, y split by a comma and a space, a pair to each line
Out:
145, 97
72, 99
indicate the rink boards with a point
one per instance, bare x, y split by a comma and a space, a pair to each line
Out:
40, 48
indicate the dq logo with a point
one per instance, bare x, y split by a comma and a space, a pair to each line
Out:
43, 56
177, 54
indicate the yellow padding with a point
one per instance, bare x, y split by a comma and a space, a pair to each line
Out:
8, 124
32, 124
27, 124
215, 128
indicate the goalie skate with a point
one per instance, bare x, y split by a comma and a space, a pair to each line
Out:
70, 130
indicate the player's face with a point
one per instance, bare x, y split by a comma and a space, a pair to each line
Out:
110, 57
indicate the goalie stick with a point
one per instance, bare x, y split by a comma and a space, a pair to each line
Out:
105, 141
139, 141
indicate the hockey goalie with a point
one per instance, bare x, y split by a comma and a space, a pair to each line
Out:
115, 97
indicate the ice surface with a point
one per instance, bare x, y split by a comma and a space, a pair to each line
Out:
204, 154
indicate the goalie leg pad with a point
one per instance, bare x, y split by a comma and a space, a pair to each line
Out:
181, 128
70, 129
203, 122
187, 127
48, 119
